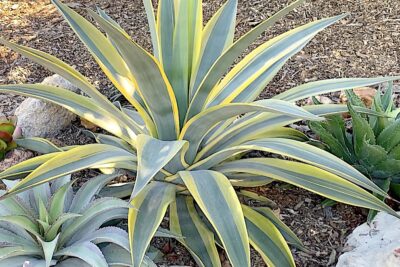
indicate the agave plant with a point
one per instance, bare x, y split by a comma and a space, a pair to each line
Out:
372, 146
8, 131
50, 225
193, 115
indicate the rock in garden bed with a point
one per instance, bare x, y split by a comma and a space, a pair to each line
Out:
38, 118
375, 244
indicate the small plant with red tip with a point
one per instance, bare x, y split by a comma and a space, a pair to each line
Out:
8, 132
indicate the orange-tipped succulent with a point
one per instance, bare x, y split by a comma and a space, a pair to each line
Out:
8, 131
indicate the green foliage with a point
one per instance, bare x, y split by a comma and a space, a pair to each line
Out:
373, 144
193, 116
51, 225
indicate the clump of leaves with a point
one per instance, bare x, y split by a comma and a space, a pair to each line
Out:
184, 134
372, 145
8, 130
51, 225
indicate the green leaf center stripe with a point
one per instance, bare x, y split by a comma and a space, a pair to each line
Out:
327, 86
153, 155
80, 105
223, 63
165, 30
267, 239
150, 81
296, 150
218, 200
199, 240
146, 214
71, 161
217, 36
195, 130
308, 177
180, 57
259, 60
246, 126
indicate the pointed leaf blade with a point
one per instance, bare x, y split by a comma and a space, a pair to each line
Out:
186, 222
267, 239
146, 214
218, 201
153, 155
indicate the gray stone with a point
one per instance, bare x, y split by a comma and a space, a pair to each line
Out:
38, 118
373, 245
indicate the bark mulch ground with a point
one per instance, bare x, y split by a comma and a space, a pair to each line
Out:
364, 44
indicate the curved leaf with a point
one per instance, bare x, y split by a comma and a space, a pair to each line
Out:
110, 234
113, 141
150, 81
217, 36
68, 73
80, 105
86, 251
153, 155
225, 61
296, 150
71, 161
195, 130
186, 222
39, 145
88, 191
267, 239
249, 77
218, 201
97, 213
108, 58
308, 177
149, 208
246, 127
22, 221
327, 86
12, 239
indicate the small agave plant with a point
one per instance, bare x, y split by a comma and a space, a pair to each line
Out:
8, 132
192, 115
52, 226
373, 144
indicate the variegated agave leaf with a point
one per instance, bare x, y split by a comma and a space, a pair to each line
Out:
193, 118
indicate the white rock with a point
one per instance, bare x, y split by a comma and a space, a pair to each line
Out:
375, 245
38, 118
57, 80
